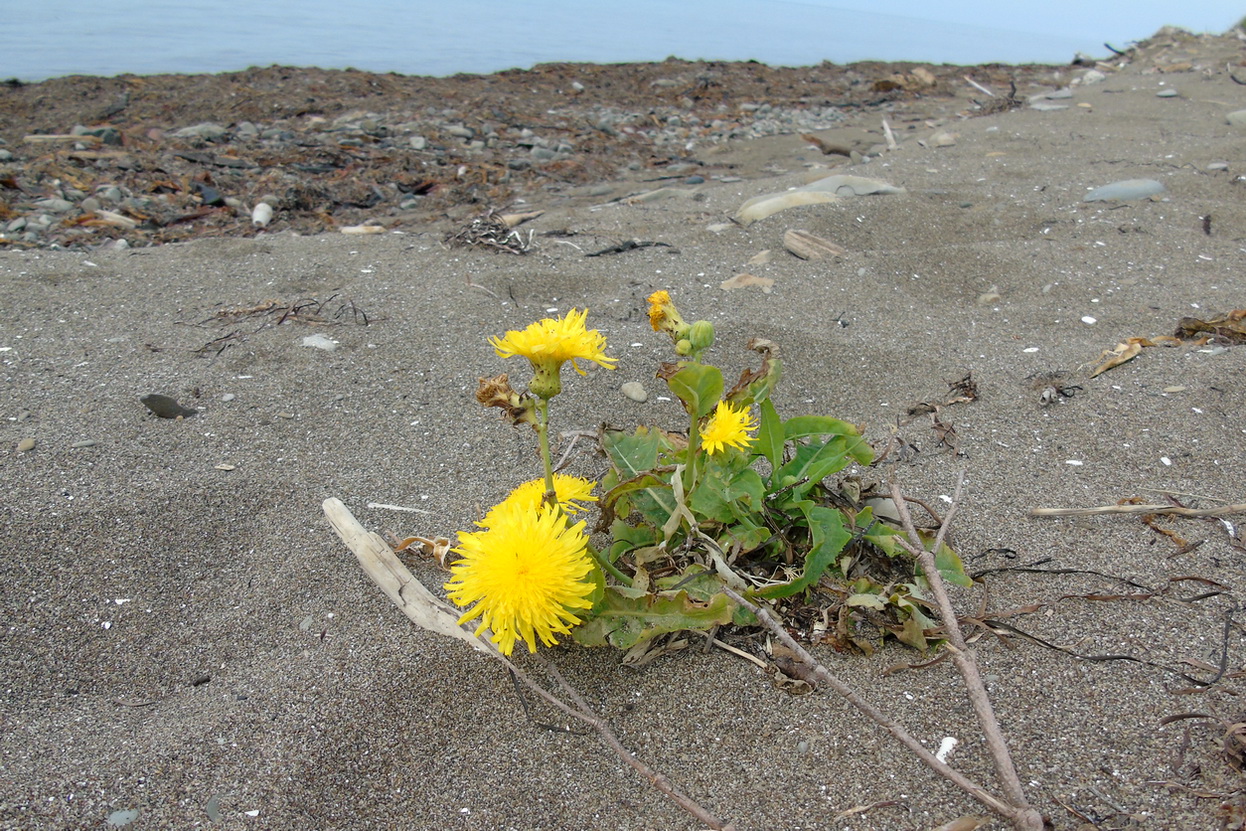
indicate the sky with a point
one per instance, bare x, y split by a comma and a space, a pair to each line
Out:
435, 37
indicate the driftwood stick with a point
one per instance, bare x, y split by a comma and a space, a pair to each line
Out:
1023, 816
585, 713
1170, 510
893, 727
427, 611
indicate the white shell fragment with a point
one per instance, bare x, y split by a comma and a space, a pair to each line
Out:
261, 215
808, 246
319, 341
1124, 190
826, 189
363, 229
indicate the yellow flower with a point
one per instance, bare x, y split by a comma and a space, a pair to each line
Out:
664, 317
550, 343
569, 490
728, 427
526, 575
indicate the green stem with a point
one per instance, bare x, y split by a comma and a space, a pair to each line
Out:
609, 567
542, 432
694, 451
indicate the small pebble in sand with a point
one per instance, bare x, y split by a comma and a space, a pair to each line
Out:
635, 391
25, 445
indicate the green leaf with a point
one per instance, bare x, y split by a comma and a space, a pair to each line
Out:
770, 435
852, 443
951, 568
635, 455
812, 425
828, 536
699, 386
726, 497
813, 462
623, 619
625, 538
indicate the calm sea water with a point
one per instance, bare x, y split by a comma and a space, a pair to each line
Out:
433, 37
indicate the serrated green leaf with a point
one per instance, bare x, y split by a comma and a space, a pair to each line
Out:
699, 386
622, 619
828, 536
770, 436
635, 455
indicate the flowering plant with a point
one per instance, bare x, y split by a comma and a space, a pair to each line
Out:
741, 501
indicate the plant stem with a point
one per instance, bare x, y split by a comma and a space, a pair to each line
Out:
609, 567
694, 450
542, 432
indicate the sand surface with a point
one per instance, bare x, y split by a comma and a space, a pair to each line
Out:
184, 635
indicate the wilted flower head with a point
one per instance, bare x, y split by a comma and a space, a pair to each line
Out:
664, 317
526, 574
727, 427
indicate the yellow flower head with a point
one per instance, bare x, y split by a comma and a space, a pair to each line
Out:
550, 343
728, 427
526, 576
664, 317
569, 490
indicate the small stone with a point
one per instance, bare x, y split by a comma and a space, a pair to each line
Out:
1237, 118
56, 206
26, 445
285, 415
418, 142
635, 391
761, 257
206, 131
1167, 93
227, 397
84, 443
165, 407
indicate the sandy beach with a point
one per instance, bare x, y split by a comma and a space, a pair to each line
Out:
185, 636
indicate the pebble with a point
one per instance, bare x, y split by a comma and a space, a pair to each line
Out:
84, 443
165, 407
25, 445
1167, 93
206, 131
227, 397
635, 391
1237, 118
1124, 190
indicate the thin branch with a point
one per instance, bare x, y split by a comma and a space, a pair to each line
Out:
1025, 817
1170, 510
893, 727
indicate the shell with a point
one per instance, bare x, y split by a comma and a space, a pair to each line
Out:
810, 247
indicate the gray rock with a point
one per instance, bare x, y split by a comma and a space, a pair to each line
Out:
1167, 93
418, 142
1237, 118
90, 204
1124, 190
56, 206
459, 131
6, 156
635, 391
206, 131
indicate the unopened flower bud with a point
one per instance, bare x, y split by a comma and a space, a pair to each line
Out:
701, 335
683, 347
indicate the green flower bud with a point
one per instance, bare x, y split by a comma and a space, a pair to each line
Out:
683, 347
701, 334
